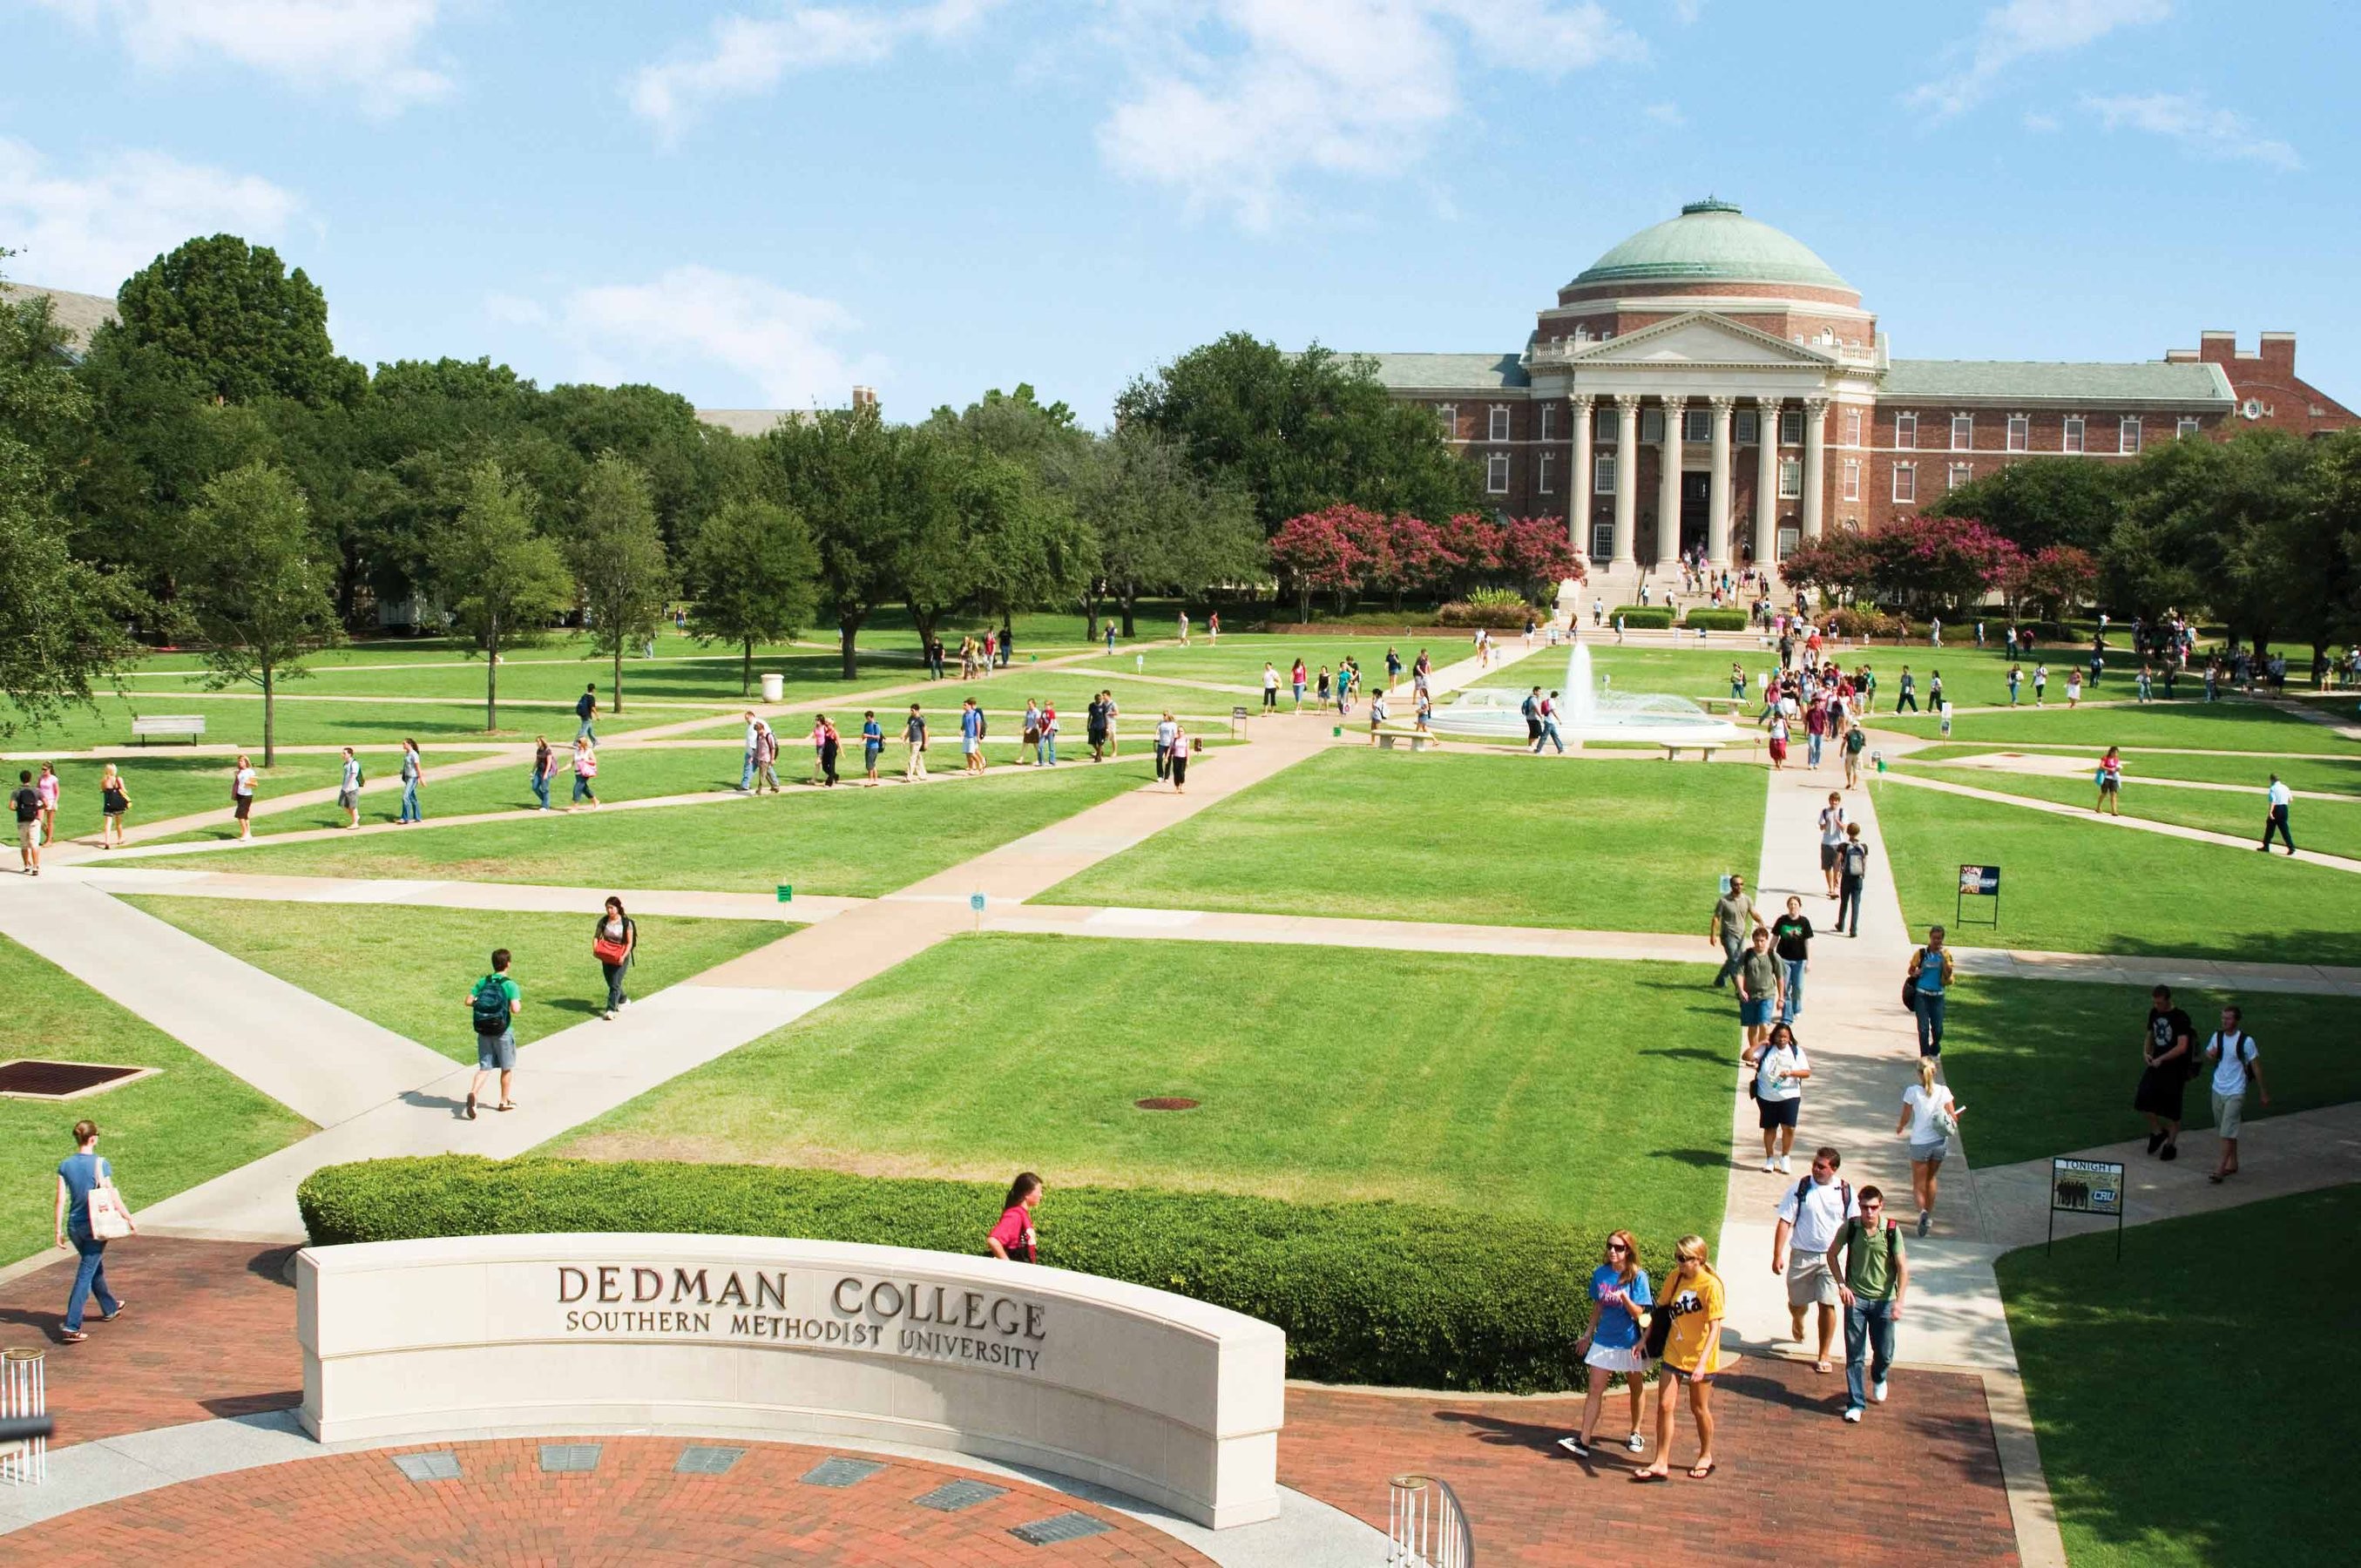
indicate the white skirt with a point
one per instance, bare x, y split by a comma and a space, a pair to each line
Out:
1611, 1360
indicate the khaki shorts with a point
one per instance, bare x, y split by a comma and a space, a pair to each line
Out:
1809, 1283
2229, 1112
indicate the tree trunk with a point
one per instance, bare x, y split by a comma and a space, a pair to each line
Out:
746, 672
618, 675
847, 643
1130, 615
492, 676
270, 715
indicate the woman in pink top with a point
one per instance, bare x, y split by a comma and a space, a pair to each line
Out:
1012, 1240
46, 787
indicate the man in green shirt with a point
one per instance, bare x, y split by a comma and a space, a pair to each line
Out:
1762, 989
1733, 920
492, 1006
1874, 1271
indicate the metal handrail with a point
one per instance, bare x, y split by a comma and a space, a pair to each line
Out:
1425, 1527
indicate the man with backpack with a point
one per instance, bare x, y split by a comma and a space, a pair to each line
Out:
1867, 1256
492, 1006
1852, 871
2232, 1054
1810, 1214
1531, 708
585, 709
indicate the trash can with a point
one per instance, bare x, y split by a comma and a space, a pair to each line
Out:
774, 686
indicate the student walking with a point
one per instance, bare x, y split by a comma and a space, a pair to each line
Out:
766, 757
1856, 740
1180, 757
1780, 1068
1930, 1117
585, 768
2016, 679
492, 1007
2041, 682
1873, 1270
49, 788
614, 942
348, 789
2167, 1060
914, 735
114, 800
1852, 871
1296, 679
1028, 735
1810, 1214
1114, 712
82, 1175
1270, 687
544, 765
826, 745
26, 802
1928, 980
873, 746
413, 774
2236, 1063
1734, 916
754, 745
1012, 1238
2074, 688
971, 735
1047, 753
1832, 837
1761, 989
2275, 817
242, 780
1611, 1346
585, 713
1166, 728
2111, 783
1694, 1298
1549, 724
1790, 935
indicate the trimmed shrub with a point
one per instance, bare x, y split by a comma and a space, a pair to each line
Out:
1706, 618
1377, 1292
1498, 616
1863, 623
1636, 616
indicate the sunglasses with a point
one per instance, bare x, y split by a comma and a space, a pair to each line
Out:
1617, 1246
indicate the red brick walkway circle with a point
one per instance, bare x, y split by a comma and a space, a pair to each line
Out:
634, 1509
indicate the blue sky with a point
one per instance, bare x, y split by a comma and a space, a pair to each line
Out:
759, 203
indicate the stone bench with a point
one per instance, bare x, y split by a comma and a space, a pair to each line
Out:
190, 724
1417, 740
1703, 749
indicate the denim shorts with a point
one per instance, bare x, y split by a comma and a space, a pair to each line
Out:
496, 1053
1756, 1013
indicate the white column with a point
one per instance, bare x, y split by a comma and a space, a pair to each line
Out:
1766, 484
1668, 489
1627, 475
1815, 462
1716, 526
1577, 500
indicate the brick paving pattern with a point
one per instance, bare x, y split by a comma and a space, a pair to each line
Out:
637, 1507
1919, 1479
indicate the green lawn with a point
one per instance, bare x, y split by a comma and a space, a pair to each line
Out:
1238, 659
2088, 887
2331, 826
411, 968
850, 841
188, 1124
1322, 1073
2174, 1432
1682, 671
1611, 845
2324, 775
2211, 727
237, 721
165, 787
2046, 1067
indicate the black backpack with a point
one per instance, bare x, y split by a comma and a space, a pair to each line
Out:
490, 1006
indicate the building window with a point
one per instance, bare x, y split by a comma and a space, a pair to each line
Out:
2128, 435
1610, 425
1747, 428
1791, 478
1963, 432
1957, 475
2020, 432
1602, 474
1496, 473
1449, 414
1791, 427
1905, 429
1545, 472
1499, 422
1851, 491
1905, 482
1581, 332
2186, 427
1547, 410
1651, 424
1852, 427
2072, 440
1698, 425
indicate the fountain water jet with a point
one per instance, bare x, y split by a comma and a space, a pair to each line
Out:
1490, 712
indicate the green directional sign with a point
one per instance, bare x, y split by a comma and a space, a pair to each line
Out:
787, 893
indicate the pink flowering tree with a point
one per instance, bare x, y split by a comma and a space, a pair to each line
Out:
1534, 556
1420, 561
2054, 579
1323, 552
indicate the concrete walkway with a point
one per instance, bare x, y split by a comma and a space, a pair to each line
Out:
2053, 764
2134, 824
524, 897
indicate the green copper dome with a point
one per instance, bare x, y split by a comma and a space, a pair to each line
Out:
1711, 242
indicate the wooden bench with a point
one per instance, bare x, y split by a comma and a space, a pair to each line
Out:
1703, 749
1418, 741
192, 724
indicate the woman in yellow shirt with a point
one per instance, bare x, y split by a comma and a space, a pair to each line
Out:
1694, 1297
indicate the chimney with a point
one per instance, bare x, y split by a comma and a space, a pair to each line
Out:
864, 397
2279, 351
2217, 347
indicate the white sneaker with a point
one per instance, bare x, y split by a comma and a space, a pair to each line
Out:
1877, 1390
1852, 1414
1636, 1444
1769, 1164
1782, 1165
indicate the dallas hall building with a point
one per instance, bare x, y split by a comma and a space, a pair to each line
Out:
1710, 382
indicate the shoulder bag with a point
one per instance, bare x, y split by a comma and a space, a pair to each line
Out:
110, 1217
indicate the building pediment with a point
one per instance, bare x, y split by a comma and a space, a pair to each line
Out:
1698, 337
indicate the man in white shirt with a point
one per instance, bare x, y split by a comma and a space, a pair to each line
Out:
1270, 687
2276, 821
2236, 1064
1810, 1214
753, 739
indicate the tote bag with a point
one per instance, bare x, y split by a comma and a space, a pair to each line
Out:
110, 1219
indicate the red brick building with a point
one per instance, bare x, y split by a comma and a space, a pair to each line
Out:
1715, 371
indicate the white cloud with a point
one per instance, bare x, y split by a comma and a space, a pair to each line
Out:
91, 232
370, 46
2021, 30
2188, 119
1666, 113
1231, 98
784, 344
2041, 124
748, 55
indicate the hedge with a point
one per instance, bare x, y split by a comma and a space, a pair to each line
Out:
1461, 614
1636, 616
1374, 1292
1715, 620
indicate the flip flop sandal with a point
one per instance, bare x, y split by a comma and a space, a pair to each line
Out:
1700, 1472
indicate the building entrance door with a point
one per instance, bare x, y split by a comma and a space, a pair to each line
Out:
1696, 491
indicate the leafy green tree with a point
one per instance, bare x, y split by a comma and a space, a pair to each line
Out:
1157, 524
1300, 432
619, 558
862, 487
243, 325
257, 584
2041, 502
2203, 523
751, 578
501, 581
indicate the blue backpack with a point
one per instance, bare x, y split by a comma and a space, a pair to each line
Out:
490, 1005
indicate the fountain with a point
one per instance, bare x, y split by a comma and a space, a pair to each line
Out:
1587, 713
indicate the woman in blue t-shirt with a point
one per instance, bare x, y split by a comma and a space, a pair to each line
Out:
1620, 1294
79, 1174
